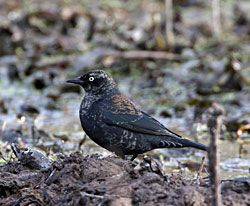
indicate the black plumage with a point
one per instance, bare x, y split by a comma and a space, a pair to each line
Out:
114, 122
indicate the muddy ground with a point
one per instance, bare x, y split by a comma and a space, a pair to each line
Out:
94, 180
44, 43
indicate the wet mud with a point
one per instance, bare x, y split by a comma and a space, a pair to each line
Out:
97, 180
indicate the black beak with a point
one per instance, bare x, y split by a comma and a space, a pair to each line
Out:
76, 80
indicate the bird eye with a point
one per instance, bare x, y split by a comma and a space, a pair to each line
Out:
91, 79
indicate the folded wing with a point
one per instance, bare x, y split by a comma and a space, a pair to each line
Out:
136, 120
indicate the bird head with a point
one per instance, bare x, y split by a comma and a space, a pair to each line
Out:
94, 81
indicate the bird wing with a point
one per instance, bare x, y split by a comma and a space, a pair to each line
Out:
127, 116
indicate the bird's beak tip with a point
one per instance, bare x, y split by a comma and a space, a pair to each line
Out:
74, 81
69, 81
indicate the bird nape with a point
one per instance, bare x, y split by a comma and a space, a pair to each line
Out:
115, 123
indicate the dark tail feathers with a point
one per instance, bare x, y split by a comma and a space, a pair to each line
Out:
189, 143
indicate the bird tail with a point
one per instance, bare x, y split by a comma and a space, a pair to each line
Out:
189, 143
178, 142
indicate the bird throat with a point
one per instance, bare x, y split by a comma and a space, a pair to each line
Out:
87, 102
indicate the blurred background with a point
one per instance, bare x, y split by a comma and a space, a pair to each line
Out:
173, 58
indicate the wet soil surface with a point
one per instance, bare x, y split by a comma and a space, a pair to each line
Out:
97, 180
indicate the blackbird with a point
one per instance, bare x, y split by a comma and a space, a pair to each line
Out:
114, 122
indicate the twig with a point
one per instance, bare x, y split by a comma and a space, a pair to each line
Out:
214, 125
216, 18
142, 54
99, 196
92, 195
169, 22
50, 179
55, 175
201, 169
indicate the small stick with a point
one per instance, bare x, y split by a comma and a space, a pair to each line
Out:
99, 196
216, 18
214, 124
142, 54
169, 22
201, 168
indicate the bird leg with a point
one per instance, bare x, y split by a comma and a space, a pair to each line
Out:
134, 156
120, 154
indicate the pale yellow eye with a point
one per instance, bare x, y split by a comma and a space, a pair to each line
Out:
91, 79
